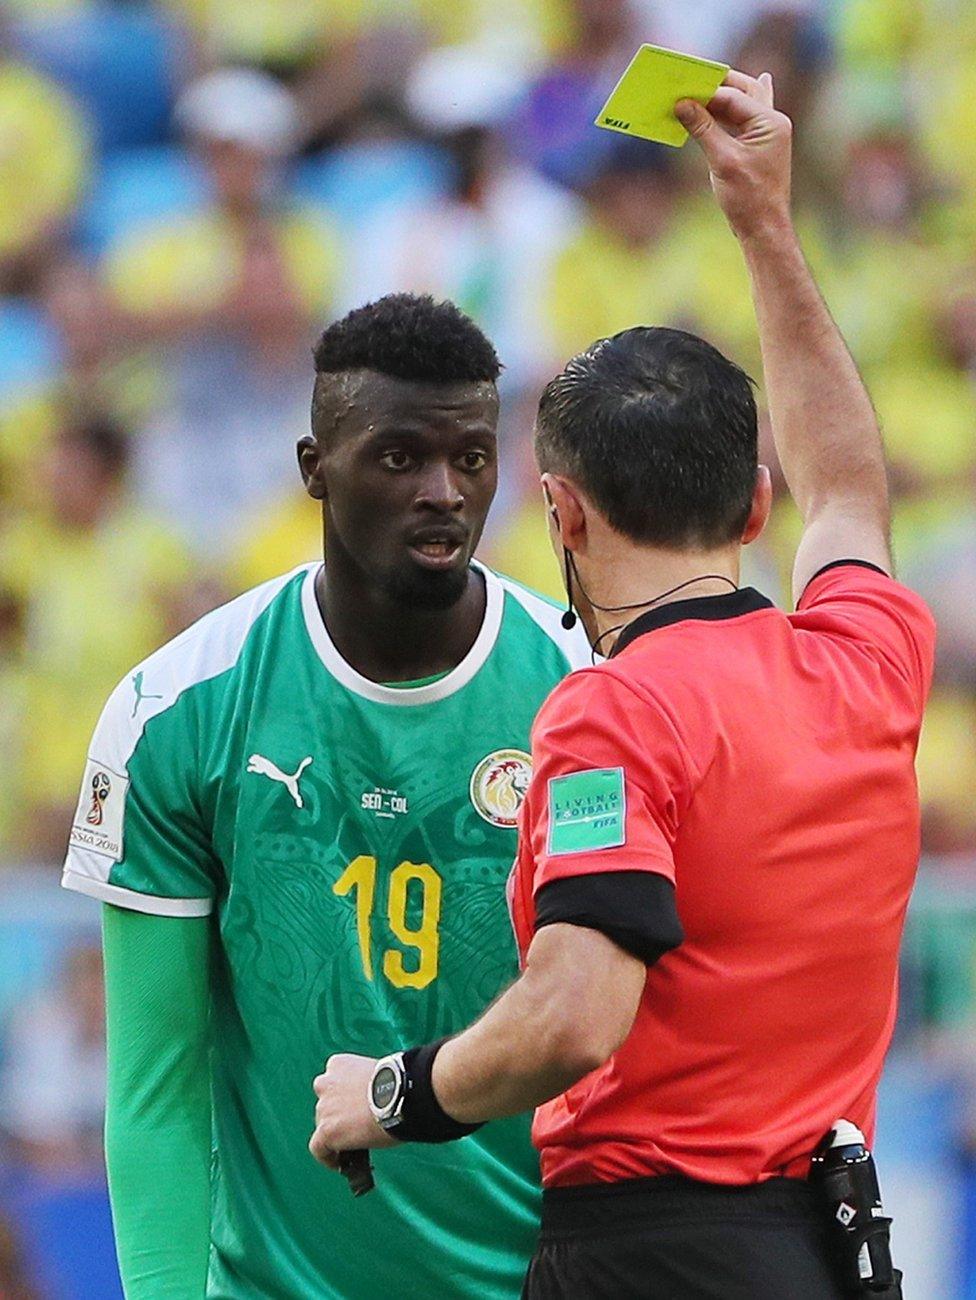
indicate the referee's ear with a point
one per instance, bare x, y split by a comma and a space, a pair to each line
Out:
567, 512
762, 504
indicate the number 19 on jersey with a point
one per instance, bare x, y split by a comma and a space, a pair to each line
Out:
359, 878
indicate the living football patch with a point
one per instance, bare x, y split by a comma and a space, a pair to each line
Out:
587, 811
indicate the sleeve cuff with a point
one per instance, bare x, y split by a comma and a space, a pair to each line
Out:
152, 904
844, 564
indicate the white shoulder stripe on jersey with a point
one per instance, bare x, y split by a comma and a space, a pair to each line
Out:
573, 644
208, 648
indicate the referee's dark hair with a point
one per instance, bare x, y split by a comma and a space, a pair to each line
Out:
660, 430
406, 336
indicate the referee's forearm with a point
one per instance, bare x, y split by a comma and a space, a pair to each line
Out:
508, 1062
571, 1009
824, 425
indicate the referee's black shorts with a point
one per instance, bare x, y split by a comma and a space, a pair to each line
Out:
675, 1239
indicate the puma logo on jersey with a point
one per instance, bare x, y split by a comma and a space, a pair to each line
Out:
141, 695
264, 767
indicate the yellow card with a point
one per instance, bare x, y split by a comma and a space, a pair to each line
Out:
644, 98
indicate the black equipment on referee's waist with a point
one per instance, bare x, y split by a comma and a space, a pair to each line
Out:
843, 1172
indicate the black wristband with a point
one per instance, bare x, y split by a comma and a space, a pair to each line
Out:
423, 1119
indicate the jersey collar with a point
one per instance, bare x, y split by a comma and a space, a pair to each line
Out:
708, 608
346, 675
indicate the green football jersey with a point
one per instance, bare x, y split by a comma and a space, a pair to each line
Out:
353, 842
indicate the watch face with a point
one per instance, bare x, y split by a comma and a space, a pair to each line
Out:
385, 1084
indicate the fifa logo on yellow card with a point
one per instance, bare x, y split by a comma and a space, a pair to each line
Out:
101, 786
498, 785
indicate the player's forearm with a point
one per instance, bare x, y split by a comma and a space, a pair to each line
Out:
157, 1128
824, 426
568, 1013
159, 1180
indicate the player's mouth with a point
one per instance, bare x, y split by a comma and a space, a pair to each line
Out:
438, 548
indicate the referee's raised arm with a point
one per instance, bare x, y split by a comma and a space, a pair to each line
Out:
824, 425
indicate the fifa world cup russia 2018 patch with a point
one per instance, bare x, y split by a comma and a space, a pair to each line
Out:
98, 820
587, 811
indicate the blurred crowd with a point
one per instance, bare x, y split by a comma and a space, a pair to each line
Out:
190, 190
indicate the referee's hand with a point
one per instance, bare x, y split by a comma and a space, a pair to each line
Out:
747, 143
343, 1119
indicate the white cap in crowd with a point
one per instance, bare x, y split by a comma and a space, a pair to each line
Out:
241, 106
460, 86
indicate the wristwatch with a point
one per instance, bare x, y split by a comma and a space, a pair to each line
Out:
387, 1091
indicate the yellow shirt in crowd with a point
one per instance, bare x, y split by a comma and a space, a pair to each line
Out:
276, 33
96, 602
291, 33
932, 45
692, 277
43, 156
196, 260
276, 540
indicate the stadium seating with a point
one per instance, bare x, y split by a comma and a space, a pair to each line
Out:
133, 187
28, 347
119, 62
353, 180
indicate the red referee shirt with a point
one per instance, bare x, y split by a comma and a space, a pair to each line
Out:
762, 763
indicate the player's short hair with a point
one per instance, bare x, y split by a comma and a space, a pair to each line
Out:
660, 430
409, 336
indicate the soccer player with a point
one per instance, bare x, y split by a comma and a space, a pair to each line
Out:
721, 834
300, 815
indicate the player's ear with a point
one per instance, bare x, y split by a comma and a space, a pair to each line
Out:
310, 467
762, 504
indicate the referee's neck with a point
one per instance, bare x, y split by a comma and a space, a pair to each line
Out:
621, 574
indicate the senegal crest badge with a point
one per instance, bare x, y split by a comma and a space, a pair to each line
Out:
498, 785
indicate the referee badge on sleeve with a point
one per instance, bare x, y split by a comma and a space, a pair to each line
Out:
587, 811
98, 821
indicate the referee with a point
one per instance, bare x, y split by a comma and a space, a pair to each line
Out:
720, 838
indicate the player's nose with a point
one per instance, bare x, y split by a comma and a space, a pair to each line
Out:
439, 490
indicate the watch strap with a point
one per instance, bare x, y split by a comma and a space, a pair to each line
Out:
422, 1118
